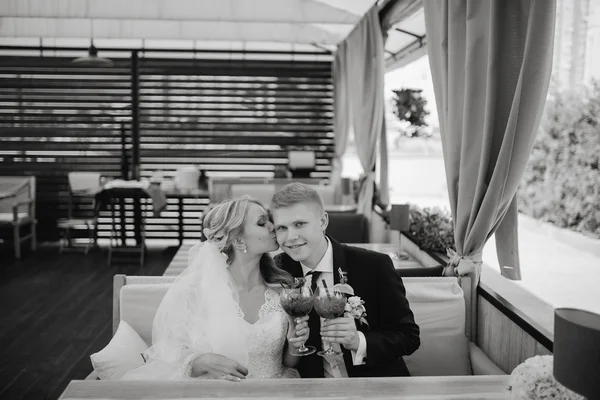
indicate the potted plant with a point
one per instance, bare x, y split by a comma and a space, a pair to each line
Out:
432, 230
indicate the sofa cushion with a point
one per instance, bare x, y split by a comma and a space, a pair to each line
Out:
139, 304
122, 354
438, 305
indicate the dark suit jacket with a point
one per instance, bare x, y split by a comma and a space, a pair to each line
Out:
392, 331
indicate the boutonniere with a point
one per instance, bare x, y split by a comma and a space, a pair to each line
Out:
355, 306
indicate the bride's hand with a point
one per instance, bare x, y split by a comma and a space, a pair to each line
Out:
216, 366
298, 331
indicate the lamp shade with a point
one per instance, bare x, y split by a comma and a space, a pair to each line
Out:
92, 59
400, 217
577, 351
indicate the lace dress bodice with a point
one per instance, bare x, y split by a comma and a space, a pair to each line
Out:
266, 339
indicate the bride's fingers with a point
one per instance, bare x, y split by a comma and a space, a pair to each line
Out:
235, 370
297, 342
231, 378
302, 331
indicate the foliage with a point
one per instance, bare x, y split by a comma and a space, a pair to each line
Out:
409, 106
432, 228
561, 183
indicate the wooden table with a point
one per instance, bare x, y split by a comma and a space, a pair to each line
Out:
180, 260
492, 387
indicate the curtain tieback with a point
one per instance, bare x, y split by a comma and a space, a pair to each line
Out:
366, 177
460, 265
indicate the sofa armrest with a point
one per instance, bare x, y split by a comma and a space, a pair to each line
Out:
481, 363
92, 376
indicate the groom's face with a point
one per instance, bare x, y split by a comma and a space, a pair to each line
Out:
300, 231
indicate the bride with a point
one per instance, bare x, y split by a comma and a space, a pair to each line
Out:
221, 318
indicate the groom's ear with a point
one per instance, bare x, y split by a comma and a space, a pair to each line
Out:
324, 221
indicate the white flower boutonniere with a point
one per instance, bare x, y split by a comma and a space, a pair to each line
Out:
355, 308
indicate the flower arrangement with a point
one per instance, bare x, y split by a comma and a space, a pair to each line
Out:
355, 308
534, 380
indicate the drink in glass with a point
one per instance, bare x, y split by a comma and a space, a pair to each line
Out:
329, 304
298, 302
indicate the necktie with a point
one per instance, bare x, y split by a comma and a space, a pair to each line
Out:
315, 279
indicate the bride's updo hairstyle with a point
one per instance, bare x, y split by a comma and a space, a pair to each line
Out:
225, 223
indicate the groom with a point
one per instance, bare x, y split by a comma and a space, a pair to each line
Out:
368, 351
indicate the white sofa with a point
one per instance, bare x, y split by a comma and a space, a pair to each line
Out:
438, 304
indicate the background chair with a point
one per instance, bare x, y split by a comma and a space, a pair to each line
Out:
82, 185
347, 227
17, 208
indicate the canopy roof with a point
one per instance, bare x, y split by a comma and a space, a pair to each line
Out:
289, 25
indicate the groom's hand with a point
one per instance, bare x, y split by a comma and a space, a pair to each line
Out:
342, 331
216, 366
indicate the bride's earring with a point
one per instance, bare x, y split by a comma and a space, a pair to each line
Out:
242, 246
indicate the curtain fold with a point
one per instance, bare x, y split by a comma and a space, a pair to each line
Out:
341, 112
399, 11
361, 57
491, 63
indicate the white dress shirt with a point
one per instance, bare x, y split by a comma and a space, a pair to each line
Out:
325, 266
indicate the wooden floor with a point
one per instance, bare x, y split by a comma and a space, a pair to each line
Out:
56, 310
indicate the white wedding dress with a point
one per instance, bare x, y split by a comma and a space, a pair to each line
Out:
265, 339
200, 314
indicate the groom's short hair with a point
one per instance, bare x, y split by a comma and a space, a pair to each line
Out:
295, 193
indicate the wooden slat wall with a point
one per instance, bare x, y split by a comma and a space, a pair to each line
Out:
56, 117
229, 117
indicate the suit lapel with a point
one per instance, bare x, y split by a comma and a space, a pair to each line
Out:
339, 263
339, 260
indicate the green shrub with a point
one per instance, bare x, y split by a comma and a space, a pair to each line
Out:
432, 228
561, 183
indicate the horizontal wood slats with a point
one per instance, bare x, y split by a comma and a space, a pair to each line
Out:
230, 117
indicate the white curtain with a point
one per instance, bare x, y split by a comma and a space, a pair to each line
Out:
341, 117
491, 62
360, 68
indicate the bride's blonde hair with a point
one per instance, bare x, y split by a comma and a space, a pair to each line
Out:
224, 224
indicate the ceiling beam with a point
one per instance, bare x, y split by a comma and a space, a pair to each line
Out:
408, 54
